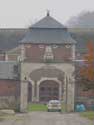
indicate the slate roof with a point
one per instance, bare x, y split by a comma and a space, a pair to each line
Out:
9, 38
47, 36
48, 22
9, 70
48, 31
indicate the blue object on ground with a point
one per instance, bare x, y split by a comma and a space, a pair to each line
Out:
80, 108
92, 107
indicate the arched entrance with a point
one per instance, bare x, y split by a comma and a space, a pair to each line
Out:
61, 74
48, 90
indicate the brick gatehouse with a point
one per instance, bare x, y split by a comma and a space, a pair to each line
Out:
40, 68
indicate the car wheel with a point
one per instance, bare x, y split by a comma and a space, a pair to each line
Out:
48, 110
59, 110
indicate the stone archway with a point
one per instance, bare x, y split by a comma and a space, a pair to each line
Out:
41, 72
48, 90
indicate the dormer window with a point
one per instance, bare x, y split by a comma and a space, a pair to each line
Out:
48, 55
28, 46
41, 46
67, 46
55, 46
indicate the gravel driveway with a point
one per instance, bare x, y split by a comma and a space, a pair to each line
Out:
46, 118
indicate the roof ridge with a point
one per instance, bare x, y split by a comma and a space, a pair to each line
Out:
48, 22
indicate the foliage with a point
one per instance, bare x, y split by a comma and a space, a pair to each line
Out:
84, 72
89, 115
88, 69
82, 20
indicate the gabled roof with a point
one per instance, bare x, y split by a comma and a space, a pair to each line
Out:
48, 22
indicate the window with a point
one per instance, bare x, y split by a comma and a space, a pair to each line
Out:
15, 69
48, 55
67, 46
55, 46
41, 46
28, 46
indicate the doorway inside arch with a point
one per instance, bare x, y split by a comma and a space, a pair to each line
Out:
48, 90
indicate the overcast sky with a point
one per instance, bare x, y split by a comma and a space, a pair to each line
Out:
22, 13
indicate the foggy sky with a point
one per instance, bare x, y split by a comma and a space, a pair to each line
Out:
22, 13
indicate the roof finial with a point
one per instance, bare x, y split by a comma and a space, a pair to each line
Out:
48, 13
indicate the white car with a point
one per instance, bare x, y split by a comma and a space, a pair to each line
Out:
54, 105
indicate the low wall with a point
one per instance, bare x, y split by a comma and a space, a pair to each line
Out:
9, 102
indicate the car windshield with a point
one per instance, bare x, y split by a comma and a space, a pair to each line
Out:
54, 102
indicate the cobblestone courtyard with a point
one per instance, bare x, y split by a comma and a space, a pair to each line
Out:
46, 118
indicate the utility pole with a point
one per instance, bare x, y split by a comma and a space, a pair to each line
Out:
66, 94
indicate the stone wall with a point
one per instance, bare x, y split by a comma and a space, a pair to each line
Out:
8, 102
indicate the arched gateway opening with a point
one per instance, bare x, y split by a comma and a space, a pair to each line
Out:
48, 90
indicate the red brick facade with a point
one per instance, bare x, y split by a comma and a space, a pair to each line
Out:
12, 57
89, 93
36, 52
2, 57
9, 88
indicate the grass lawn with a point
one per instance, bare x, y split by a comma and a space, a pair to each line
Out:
37, 107
88, 114
40, 107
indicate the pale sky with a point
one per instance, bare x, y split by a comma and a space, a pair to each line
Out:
22, 13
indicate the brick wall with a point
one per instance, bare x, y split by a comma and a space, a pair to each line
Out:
36, 52
2, 57
9, 93
12, 57
85, 97
89, 93
9, 87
